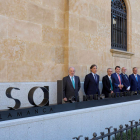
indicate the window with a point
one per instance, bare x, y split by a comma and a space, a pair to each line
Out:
118, 25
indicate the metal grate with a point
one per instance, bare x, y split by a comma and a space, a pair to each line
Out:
118, 25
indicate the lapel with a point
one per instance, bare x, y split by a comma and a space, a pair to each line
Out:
117, 77
138, 77
134, 77
108, 79
75, 78
69, 81
125, 76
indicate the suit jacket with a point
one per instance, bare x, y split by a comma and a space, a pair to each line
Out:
91, 87
126, 82
68, 89
106, 86
135, 86
115, 82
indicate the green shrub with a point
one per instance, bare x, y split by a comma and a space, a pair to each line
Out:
128, 135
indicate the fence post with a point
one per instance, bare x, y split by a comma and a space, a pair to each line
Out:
102, 134
115, 130
94, 135
136, 123
131, 122
126, 125
121, 127
109, 132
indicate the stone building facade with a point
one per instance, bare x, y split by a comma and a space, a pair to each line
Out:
40, 39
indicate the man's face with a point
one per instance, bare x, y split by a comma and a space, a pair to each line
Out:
135, 70
109, 72
124, 70
94, 69
117, 70
71, 71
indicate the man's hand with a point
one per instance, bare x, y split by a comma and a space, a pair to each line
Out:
65, 99
119, 86
111, 92
122, 86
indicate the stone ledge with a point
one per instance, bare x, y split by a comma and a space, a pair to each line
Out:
121, 54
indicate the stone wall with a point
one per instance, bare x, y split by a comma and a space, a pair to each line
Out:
40, 39
66, 125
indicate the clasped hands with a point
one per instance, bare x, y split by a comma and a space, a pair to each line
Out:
120, 86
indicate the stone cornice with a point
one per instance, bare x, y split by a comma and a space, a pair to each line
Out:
122, 54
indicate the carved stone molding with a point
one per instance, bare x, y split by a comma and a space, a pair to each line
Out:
121, 54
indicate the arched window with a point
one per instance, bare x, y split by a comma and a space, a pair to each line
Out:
118, 25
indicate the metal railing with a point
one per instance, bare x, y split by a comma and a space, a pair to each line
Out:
116, 133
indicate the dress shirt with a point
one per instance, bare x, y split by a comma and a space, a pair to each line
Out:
71, 78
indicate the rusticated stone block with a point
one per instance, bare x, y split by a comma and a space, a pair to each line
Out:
55, 4
79, 7
54, 36
3, 27
24, 30
79, 40
39, 52
12, 50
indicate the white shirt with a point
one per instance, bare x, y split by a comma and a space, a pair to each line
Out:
109, 78
71, 78
136, 76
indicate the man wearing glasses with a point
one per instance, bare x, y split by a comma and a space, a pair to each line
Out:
125, 79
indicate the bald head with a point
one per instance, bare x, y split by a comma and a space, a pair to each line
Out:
124, 70
71, 71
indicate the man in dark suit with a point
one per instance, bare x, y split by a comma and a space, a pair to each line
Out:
71, 85
91, 84
134, 80
117, 80
107, 83
125, 80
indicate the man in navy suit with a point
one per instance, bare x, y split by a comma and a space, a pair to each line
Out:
117, 80
91, 84
125, 80
134, 80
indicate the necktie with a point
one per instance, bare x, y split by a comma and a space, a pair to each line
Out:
111, 84
95, 77
119, 79
73, 83
136, 78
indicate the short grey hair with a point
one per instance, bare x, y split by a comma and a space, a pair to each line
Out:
70, 68
134, 68
109, 68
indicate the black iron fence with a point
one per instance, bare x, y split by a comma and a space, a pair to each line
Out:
127, 132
